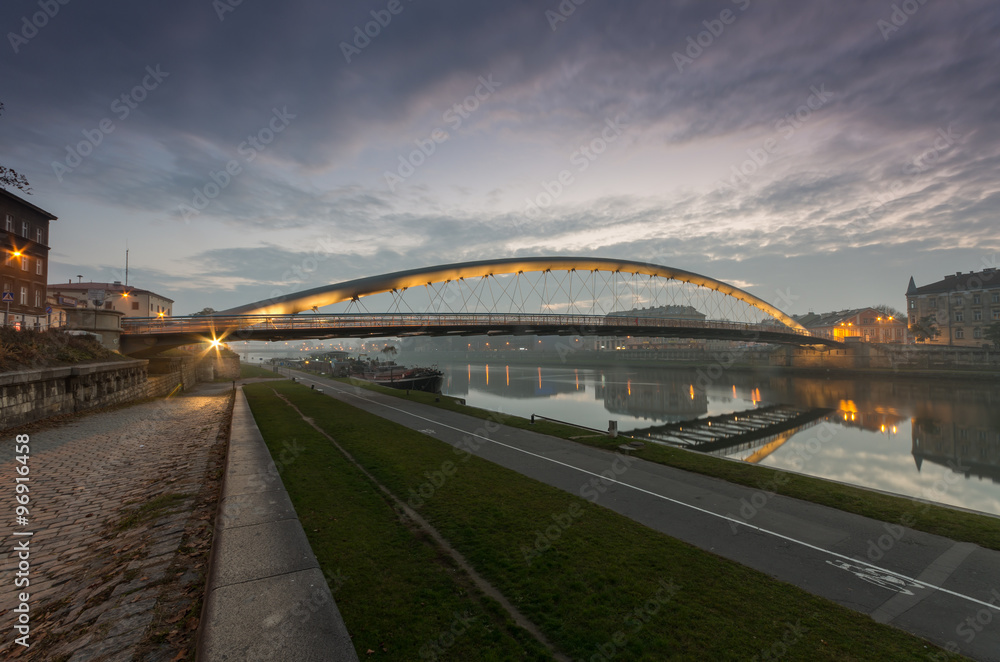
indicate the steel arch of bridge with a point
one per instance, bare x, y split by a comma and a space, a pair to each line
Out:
401, 281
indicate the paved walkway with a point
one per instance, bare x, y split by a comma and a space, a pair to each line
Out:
122, 504
944, 591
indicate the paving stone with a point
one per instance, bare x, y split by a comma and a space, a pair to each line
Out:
127, 610
86, 474
126, 655
97, 650
94, 612
166, 547
131, 587
128, 624
70, 646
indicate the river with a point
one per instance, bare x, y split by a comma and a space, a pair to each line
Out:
931, 439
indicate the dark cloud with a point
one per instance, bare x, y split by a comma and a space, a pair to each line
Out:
865, 171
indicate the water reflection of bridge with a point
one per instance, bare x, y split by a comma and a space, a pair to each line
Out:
764, 428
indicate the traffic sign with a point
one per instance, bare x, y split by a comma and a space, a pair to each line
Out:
48, 310
8, 297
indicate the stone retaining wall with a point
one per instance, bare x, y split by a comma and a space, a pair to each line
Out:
32, 395
869, 356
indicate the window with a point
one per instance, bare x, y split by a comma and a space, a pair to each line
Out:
959, 316
977, 332
996, 313
10, 223
976, 299
135, 305
957, 301
977, 315
9, 260
959, 333
996, 297
913, 304
108, 305
24, 296
38, 298
24, 229
24, 262
933, 302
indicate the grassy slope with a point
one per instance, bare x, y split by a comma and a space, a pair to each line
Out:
596, 583
252, 371
24, 350
393, 587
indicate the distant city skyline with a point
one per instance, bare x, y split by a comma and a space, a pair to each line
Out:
816, 154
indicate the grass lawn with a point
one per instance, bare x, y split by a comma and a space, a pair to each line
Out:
599, 585
940, 520
399, 595
248, 371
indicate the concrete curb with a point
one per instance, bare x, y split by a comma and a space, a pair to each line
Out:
267, 598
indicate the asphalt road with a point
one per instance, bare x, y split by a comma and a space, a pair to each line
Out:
933, 587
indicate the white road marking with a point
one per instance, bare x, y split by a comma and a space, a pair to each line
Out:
680, 503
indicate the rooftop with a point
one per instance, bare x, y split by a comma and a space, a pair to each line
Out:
974, 280
833, 318
24, 202
110, 287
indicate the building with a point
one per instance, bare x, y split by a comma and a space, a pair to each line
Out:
59, 305
962, 306
863, 324
672, 312
25, 267
131, 301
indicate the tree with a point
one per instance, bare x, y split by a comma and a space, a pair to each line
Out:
205, 311
10, 177
888, 311
925, 329
993, 334
389, 351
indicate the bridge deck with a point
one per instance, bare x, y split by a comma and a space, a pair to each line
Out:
147, 332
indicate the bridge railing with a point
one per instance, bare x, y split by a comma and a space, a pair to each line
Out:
218, 326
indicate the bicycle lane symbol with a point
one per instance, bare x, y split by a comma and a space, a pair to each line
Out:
882, 578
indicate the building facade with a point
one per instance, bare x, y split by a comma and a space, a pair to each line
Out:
863, 324
962, 307
25, 266
131, 301
674, 312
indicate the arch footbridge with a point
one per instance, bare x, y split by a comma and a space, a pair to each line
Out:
512, 296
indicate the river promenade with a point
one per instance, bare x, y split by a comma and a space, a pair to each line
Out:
931, 586
121, 511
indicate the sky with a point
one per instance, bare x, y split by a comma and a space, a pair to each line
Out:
817, 154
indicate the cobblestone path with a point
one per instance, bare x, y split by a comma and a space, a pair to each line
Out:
122, 506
